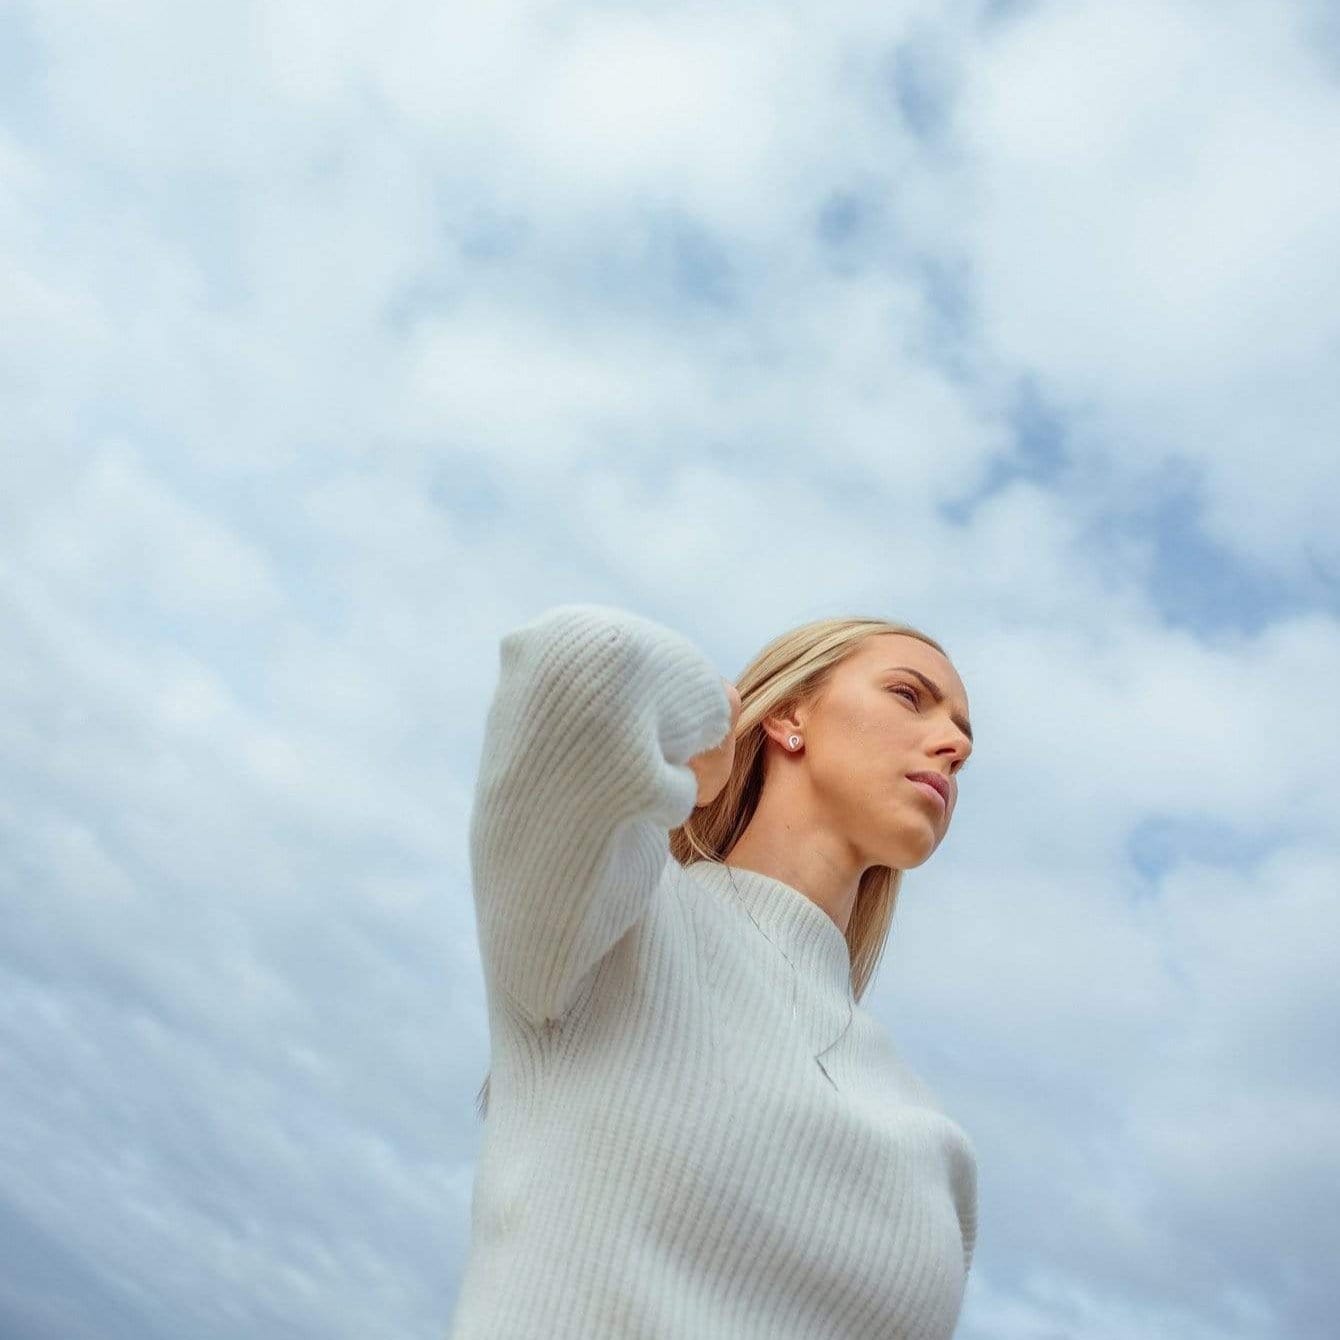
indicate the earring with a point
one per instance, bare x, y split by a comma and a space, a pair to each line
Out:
793, 741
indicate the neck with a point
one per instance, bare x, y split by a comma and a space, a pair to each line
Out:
819, 868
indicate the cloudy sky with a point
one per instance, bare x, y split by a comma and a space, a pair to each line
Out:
338, 340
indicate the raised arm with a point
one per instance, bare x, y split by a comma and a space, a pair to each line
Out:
584, 771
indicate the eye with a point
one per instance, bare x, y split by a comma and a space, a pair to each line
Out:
907, 689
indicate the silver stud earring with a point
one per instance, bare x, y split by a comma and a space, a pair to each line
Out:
794, 741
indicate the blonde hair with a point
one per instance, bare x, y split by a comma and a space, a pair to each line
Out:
795, 668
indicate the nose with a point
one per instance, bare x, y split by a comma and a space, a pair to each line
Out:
955, 746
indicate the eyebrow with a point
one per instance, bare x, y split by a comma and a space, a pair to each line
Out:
937, 693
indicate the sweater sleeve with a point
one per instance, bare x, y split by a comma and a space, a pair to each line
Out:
582, 775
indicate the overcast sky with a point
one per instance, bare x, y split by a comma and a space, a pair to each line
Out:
338, 340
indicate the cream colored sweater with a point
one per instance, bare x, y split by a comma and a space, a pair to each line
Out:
663, 1158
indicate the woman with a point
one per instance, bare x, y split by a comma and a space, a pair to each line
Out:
693, 1129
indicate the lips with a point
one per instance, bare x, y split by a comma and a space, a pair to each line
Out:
932, 781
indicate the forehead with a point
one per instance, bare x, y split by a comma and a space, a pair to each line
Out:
884, 650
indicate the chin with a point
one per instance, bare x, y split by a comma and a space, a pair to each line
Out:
919, 851
910, 853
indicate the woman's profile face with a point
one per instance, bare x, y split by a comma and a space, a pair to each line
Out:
894, 708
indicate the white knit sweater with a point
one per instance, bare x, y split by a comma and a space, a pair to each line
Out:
663, 1158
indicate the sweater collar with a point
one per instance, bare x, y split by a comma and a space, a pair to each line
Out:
792, 920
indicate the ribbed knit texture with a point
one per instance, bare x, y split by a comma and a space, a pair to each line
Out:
663, 1158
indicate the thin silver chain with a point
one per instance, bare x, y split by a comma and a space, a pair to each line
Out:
794, 974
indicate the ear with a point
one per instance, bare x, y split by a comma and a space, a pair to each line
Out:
781, 726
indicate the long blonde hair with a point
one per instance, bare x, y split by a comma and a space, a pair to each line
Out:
795, 668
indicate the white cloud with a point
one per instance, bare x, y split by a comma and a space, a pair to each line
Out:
1155, 224
336, 354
